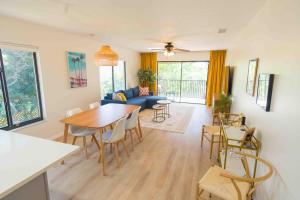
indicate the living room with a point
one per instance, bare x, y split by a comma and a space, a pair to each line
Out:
164, 154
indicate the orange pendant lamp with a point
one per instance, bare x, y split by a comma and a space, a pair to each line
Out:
105, 56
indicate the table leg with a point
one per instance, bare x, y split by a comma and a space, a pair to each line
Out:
140, 130
65, 138
102, 155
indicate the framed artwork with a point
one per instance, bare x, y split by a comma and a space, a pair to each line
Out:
251, 78
264, 91
77, 69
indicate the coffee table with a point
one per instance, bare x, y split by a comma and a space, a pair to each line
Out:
166, 104
159, 113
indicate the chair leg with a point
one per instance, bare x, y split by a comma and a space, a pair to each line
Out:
117, 154
199, 193
137, 134
131, 138
211, 146
110, 147
202, 136
96, 142
125, 147
85, 147
74, 140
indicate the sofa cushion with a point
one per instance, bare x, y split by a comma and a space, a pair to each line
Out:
144, 91
129, 93
152, 100
137, 101
136, 91
109, 96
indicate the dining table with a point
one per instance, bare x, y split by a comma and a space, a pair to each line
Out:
100, 118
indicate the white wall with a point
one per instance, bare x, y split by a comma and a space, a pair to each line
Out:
273, 37
185, 56
52, 46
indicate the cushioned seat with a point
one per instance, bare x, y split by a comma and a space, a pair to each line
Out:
140, 101
79, 132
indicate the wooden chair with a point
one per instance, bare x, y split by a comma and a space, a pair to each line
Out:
76, 131
212, 134
219, 182
114, 137
94, 105
230, 119
132, 126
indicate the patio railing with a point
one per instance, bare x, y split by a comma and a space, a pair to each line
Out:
186, 89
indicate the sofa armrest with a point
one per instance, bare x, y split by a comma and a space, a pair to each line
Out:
107, 101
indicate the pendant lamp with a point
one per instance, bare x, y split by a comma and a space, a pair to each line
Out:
105, 56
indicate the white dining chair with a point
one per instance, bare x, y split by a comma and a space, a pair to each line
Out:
132, 125
114, 137
77, 131
94, 105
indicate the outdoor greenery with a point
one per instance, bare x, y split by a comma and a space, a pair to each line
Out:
21, 85
146, 77
183, 80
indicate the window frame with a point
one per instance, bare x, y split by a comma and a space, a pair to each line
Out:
3, 84
113, 78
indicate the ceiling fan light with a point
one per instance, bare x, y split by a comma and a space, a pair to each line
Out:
169, 53
105, 56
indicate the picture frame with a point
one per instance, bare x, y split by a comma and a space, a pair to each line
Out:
251, 77
264, 91
77, 69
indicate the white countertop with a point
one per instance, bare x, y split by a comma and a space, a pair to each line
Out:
23, 158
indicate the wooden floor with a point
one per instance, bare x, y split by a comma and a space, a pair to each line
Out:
164, 166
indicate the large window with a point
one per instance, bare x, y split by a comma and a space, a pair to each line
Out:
183, 81
20, 99
112, 78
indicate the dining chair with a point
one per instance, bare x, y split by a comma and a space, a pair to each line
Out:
132, 126
212, 134
77, 131
228, 186
114, 137
94, 105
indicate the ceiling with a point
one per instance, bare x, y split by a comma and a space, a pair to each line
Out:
142, 24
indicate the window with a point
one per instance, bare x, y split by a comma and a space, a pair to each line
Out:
183, 81
112, 78
20, 99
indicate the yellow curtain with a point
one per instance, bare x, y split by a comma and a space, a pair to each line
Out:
149, 61
215, 74
225, 80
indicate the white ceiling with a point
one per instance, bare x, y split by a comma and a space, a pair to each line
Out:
141, 24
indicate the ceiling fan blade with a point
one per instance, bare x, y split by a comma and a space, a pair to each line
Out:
182, 50
156, 49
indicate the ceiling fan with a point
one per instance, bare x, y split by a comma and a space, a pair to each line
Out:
169, 49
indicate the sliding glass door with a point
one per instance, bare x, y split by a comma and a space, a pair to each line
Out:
183, 81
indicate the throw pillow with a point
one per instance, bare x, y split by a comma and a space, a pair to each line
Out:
129, 93
136, 91
117, 96
144, 91
122, 96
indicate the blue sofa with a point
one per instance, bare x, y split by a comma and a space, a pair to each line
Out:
133, 98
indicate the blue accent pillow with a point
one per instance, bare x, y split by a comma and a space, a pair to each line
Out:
136, 91
129, 93
108, 96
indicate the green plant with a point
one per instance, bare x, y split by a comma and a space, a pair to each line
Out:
223, 104
146, 77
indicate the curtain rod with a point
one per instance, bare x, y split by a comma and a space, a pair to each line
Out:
19, 45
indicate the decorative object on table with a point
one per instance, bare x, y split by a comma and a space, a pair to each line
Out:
144, 91
211, 133
77, 69
247, 138
159, 113
105, 56
146, 77
166, 104
178, 123
226, 185
251, 78
264, 91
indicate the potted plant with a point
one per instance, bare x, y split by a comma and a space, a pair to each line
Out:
146, 77
222, 104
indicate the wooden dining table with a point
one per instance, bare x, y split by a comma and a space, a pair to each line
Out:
99, 118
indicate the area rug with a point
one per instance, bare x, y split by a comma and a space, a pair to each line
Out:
181, 115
